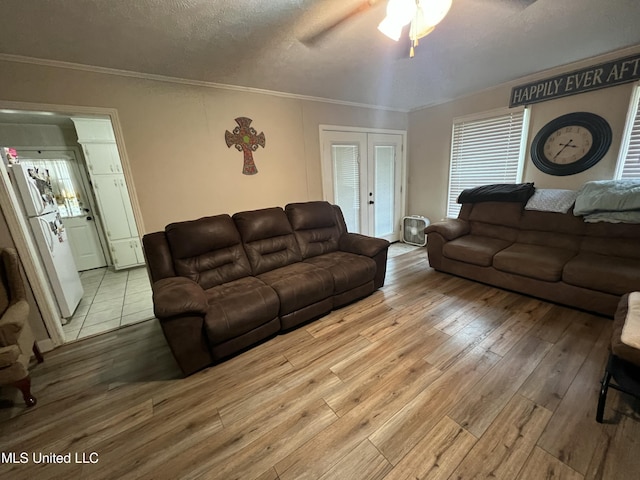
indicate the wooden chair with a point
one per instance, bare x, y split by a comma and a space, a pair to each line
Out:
17, 342
622, 372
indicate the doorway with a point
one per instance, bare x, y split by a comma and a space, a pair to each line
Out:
363, 173
75, 203
39, 126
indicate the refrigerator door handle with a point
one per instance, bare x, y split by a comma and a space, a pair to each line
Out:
47, 233
36, 196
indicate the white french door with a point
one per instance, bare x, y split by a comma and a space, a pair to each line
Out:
363, 174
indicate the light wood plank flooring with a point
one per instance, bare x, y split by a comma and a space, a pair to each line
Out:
432, 377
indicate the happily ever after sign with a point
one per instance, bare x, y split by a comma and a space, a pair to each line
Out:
584, 80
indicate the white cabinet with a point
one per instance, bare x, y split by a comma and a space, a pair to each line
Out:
126, 253
115, 206
94, 130
102, 158
105, 169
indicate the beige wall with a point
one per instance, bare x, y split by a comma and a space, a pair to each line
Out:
174, 138
430, 136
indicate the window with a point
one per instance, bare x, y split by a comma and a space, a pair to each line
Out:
629, 159
64, 188
485, 149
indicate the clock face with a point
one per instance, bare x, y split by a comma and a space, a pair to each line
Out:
571, 143
568, 144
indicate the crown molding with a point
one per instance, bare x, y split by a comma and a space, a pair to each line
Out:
183, 81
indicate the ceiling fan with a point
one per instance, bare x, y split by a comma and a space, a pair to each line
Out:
319, 35
421, 15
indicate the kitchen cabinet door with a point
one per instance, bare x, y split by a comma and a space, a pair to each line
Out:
102, 158
126, 253
94, 129
115, 207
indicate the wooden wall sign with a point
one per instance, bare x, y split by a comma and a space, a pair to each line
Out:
599, 76
246, 140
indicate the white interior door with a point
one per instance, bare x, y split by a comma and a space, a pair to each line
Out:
74, 204
362, 173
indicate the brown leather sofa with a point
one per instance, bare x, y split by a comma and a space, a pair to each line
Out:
222, 284
553, 256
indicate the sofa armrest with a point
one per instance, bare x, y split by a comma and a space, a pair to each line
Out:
178, 296
450, 229
9, 355
362, 244
12, 322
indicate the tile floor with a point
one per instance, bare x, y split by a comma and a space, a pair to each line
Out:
112, 299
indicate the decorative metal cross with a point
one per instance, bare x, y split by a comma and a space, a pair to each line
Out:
246, 140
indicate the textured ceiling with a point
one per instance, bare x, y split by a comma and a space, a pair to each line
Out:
265, 44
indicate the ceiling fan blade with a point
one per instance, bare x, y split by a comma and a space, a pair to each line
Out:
314, 38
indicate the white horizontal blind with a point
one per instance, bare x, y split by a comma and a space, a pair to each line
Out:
384, 158
629, 161
485, 150
346, 187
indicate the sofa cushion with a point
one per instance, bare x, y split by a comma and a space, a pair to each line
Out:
238, 307
268, 239
347, 269
534, 261
616, 275
621, 247
552, 222
613, 230
208, 250
497, 213
316, 227
494, 231
474, 249
619, 348
550, 239
299, 285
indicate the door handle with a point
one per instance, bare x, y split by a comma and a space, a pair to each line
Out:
371, 202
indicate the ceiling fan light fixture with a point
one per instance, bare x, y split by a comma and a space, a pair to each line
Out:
423, 15
399, 14
428, 14
401, 11
391, 29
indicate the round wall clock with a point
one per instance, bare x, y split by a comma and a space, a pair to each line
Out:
571, 143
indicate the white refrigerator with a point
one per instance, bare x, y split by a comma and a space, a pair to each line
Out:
34, 188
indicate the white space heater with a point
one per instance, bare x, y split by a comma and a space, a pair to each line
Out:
413, 230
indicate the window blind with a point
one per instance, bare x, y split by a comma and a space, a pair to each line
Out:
384, 158
485, 150
629, 161
347, 184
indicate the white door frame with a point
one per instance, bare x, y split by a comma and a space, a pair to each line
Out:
19, 229
327, 168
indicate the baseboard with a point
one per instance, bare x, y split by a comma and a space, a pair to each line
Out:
45, 345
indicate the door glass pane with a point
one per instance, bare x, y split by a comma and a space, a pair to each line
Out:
384, 189
64, 183
346, 184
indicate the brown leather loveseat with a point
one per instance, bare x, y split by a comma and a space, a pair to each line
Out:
553, 256
222, 284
